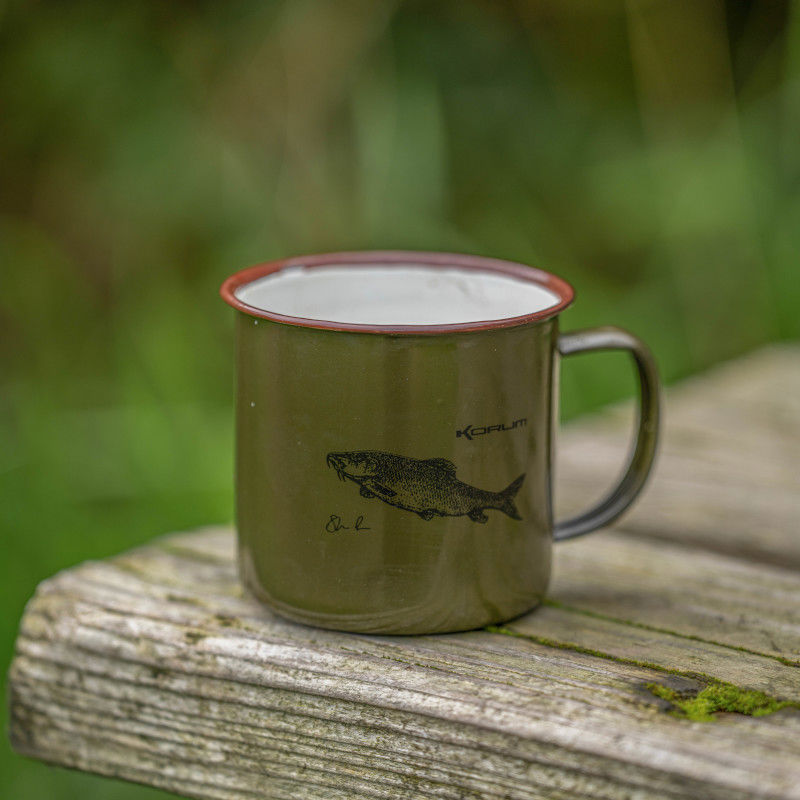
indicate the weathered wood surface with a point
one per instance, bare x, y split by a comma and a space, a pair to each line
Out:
728, 474
153, 666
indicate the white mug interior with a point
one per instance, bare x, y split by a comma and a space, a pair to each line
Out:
396, 294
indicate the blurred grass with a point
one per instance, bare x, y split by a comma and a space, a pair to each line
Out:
647, 152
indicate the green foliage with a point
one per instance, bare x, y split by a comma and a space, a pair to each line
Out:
649, 155
718, 697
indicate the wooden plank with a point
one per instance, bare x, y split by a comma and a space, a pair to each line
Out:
678, 608
715, 598
728, 474
154, 667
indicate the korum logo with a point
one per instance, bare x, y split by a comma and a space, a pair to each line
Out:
470, 431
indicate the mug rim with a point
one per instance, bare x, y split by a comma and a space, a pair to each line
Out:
435, 260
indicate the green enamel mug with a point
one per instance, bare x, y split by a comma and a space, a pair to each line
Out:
395, 416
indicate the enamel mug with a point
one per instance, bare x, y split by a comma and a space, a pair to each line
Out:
395, 416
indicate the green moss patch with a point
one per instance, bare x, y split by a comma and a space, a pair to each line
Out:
718, 696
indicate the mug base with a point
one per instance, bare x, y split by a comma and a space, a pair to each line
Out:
414, 621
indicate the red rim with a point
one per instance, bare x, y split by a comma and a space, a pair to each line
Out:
556, 285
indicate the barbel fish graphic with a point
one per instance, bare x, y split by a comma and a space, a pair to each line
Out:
427, 487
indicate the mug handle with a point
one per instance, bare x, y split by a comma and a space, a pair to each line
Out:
644, 450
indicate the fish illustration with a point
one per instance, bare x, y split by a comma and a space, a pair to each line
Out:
428, 487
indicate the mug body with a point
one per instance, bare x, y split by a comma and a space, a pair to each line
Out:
395, 482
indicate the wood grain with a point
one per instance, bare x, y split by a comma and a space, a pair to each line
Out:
154, 667
727, 477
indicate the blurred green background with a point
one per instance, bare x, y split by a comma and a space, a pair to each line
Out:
649, 152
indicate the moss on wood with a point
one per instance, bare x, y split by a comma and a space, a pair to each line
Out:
702, 706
